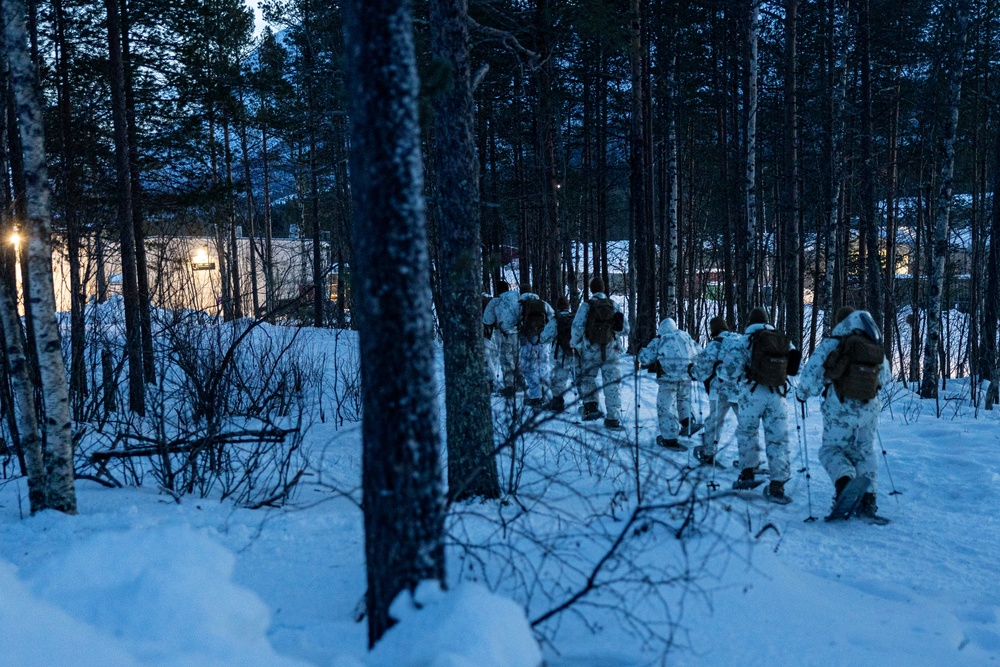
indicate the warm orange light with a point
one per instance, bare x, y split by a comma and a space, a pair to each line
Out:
15, 238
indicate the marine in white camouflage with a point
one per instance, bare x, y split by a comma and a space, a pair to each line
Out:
592, 363
503, 313
849, 425
756, 406
675, 350
722, 395
534, 358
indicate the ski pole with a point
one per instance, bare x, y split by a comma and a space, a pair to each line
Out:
885, 458
800, 426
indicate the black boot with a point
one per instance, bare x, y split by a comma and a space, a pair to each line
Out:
746, 480
670, 444
557, 404
613, 424
591, 411
840, 485
684, 426
868, 510
775, 492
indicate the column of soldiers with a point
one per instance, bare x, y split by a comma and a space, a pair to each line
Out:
746, 373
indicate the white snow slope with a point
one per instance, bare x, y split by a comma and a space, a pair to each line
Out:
139, 579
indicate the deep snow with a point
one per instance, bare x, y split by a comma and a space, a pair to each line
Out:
139, 579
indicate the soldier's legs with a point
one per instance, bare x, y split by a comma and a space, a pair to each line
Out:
611, 376
684, 399
862, 453
560, 377
666, 411
776, 438
589, 365
532, 368
838, 437
508, 352
748, 418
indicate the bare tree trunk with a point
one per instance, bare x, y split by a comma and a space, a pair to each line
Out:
25, 412
960, 29
472, 468
402, 499
840, 35
791, 247
234, 249
643, 241
269, 296
251, 217
130, 290
750, 286
141, 266
58, 454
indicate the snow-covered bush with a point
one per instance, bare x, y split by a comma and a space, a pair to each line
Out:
226, 416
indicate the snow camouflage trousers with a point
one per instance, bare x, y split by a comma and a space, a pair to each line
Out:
562, 373
611, 379
767, 407
849, 438
718, 407
673, 403
535, 368
507, 344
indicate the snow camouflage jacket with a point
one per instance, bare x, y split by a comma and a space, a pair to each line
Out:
673, 348
549, 313
579, 341
708, 361
504, 312
735, 356
812, 381
551, 329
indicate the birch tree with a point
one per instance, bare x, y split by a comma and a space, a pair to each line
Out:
60, 493
954, 66
402, 499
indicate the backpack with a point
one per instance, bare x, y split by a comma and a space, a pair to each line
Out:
600, 328
769, 350
673, 356
533, 318
854, 366
564, 333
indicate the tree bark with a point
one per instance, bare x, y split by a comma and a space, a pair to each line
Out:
402, 499
472, 468
791, 245
60, 493
954, 69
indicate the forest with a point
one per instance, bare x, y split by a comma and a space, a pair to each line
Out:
190, 194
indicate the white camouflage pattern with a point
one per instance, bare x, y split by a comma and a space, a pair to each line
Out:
673, 396
591, 362
849, 426
534, 357
721, 393
503, 313
756, 406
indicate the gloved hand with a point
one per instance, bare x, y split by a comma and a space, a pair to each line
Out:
800, 395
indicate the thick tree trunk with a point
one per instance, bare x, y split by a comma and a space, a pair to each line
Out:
130, 290
135, 185
749, 281
472, 469
251, 219
791, 246
643, 241
402, 499
955, 62
839, 33
58, 455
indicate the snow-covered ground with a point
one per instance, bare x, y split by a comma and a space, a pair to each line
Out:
138, 578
